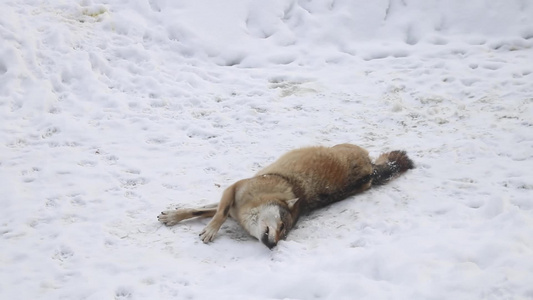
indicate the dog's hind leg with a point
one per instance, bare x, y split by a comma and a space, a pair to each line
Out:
222, 212
172, 217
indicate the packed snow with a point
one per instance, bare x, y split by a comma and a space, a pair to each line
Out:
112, 111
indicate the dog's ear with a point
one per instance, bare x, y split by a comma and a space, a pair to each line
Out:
292, 202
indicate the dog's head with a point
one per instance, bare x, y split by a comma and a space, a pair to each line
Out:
274, 222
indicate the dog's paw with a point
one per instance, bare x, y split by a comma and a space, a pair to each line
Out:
169, 217
208, 234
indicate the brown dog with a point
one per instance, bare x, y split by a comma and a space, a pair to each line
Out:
269, 204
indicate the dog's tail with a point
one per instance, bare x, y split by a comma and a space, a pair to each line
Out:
390, 165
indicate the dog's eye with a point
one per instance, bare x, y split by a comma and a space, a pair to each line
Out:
267, 230
282, 227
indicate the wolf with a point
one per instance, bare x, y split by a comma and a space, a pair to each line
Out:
269, 204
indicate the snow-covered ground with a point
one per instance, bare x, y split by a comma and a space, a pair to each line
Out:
114, 110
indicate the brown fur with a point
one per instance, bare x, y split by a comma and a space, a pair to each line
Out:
299, 181
325, 175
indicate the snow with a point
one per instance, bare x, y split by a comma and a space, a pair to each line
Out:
112, 111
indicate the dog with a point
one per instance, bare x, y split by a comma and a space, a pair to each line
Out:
269, 204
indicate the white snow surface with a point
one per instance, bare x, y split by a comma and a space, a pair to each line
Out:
112, 111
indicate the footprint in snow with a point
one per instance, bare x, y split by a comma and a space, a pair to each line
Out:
123, 293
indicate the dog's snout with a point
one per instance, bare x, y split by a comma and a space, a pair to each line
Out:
265, 240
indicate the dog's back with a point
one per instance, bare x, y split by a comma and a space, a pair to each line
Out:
323, 175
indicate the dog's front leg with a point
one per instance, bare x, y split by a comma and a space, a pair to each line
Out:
228, 198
